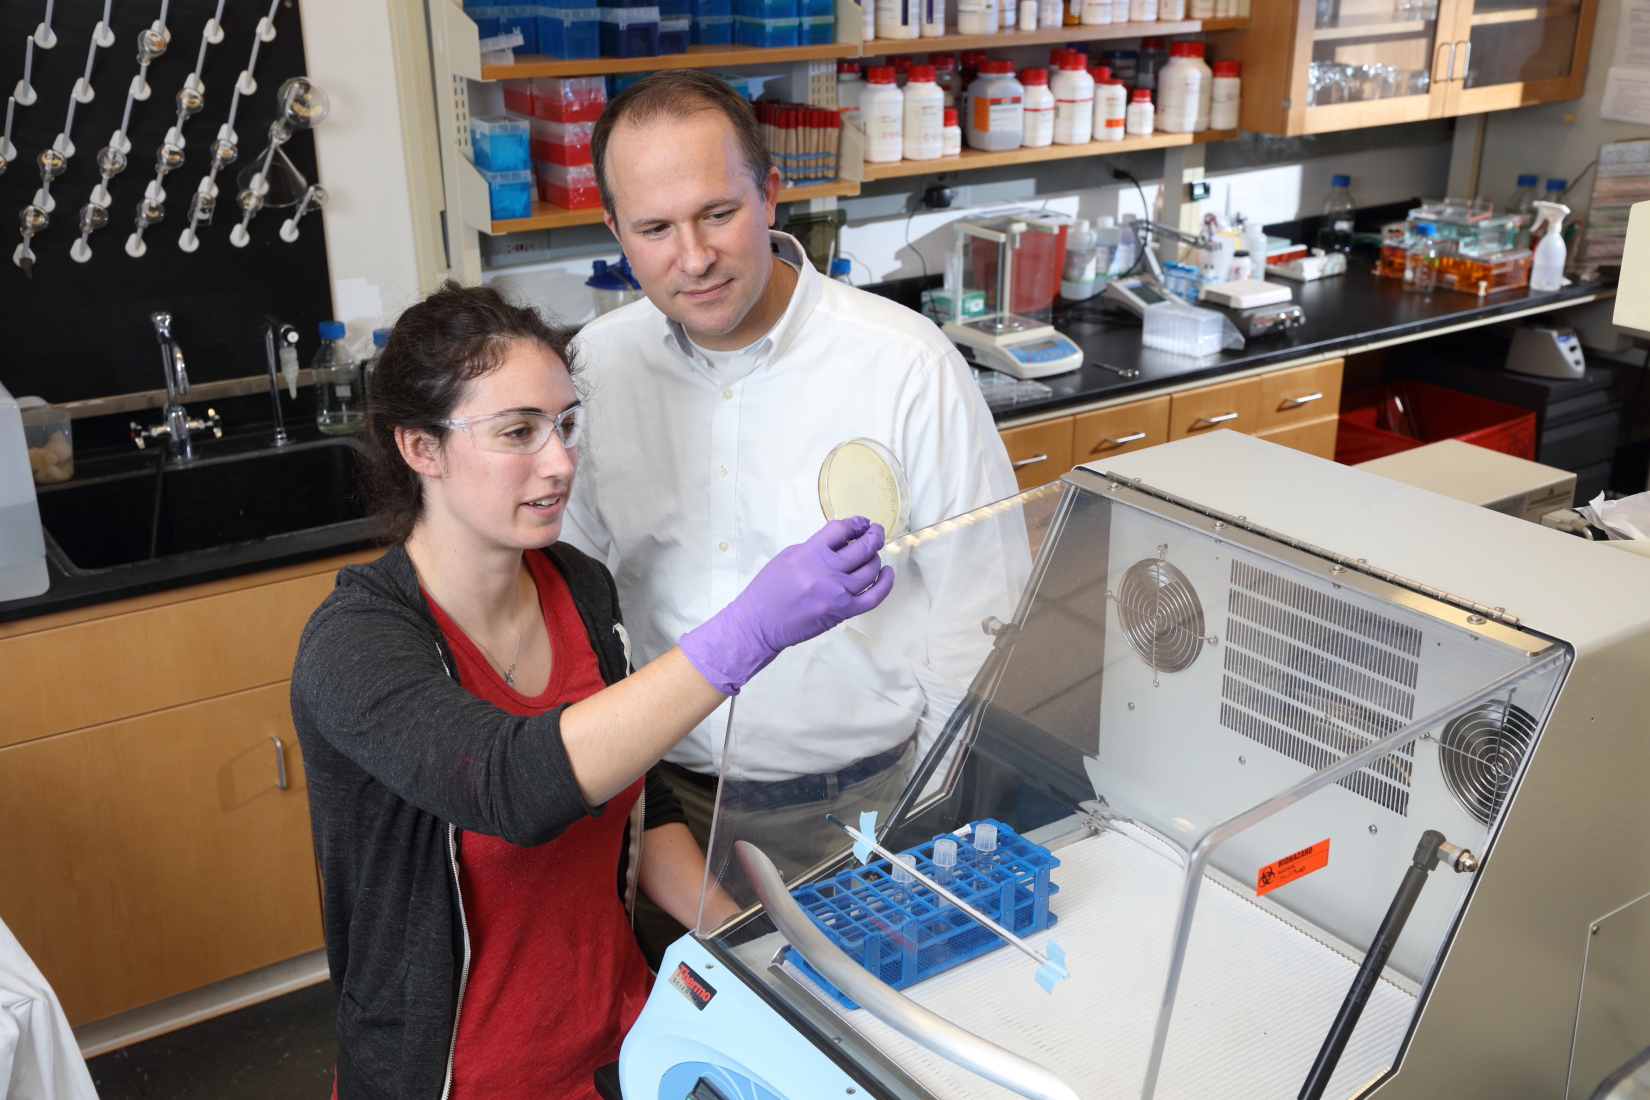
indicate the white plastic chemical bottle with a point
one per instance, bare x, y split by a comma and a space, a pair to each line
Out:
1111, 108
1138, 121
1108, 247
1254, 242
1050, 13
1142, 11
1225, 93
1073, 90
977, 16
1205, 88
950, 134
848, 87
337, 383
1171, 11
867, 19
1096, 13
1028, 15
924, 115
1178, 83
1008, 13
996, 115
933, 18
1077, 281
1547, 272
897, 19
882, 114
1039, 109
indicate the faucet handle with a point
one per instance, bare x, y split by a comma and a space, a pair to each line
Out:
212, 422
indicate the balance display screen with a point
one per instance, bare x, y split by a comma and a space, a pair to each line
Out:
1146, 294
1041, 345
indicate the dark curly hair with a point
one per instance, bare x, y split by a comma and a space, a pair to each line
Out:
436, 348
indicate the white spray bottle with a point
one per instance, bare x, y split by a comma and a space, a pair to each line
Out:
1547, 272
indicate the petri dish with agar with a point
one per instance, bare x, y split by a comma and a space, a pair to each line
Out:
863, 478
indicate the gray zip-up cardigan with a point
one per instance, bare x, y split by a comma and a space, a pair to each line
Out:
400, 760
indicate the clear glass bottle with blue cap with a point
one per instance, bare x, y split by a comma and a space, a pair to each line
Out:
1339, 215
338, 397
1421, 263
841, 269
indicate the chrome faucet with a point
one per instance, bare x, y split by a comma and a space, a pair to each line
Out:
178, 427
278, 335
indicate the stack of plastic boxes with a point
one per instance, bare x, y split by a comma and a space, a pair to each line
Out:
1479, 253
818, 22
712, 23
493, 19
571, 33
629, 29
498, 147
768, 23
564, 111
675, 23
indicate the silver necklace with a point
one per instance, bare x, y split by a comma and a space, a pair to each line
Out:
509, 673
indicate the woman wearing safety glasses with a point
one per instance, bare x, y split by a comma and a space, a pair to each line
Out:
477, 758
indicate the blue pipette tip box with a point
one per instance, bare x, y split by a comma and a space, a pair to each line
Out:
903, 932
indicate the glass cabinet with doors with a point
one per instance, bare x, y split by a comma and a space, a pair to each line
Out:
1346, 64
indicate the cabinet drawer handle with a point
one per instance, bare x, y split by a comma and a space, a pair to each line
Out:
1466, 60
1030, 461
1448, 66
1105, 443
1221, 419
1297, 402
280, 762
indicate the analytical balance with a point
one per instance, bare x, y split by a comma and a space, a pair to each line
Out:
1247, 701
1015, 260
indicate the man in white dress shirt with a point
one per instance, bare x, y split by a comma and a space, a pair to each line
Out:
712, 404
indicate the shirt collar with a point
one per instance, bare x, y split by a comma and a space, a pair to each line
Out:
803, 299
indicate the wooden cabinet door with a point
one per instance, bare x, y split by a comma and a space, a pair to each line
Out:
1299, 394
1106, 433
1040, 452
1512, 53
156, 854
1315, 437
1231, 405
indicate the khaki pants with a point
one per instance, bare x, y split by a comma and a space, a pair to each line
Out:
803, 826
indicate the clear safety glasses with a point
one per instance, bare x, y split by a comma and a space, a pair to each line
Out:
521, 432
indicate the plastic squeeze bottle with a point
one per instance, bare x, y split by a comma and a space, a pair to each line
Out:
1547, 272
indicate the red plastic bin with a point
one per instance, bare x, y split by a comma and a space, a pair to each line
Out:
1399, 416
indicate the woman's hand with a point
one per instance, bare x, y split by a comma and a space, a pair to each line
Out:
803, 592
621, 731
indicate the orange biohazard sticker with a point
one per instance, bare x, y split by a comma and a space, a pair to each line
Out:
1291, 867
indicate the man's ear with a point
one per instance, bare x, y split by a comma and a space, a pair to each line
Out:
420, 450
770, 194
612, 226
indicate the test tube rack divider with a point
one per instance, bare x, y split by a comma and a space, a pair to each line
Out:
903, 932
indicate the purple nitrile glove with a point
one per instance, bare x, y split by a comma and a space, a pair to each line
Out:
803, 592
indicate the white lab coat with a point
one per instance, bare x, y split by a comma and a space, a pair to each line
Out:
39, 1059
692, 479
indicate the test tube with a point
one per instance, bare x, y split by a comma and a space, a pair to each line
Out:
903, 878
985, 845
945, 859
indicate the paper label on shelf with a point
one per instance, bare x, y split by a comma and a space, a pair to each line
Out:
1632, 36
997, 115
1291, 867
1626, 96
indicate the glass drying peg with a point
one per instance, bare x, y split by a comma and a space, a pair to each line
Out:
202, 204
92, 218
152, 43
52, 164
224, 153
149, 212
168, 158
111, 162
250, 202
314, 199
33, 219
190, 101
303, 103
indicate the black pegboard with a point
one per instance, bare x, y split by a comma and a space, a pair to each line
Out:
75, 331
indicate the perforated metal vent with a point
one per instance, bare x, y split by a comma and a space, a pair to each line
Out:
1162, 616
1317, 678
1480, 753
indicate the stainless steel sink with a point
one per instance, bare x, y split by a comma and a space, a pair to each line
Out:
155, 511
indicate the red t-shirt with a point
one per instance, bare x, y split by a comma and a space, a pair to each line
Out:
556, 978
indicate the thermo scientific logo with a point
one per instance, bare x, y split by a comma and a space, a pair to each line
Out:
693, 987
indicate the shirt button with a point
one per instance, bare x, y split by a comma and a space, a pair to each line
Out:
727, 395
721, 546
723, 470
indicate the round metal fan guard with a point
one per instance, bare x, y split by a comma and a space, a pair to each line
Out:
1481, 751
1162, 616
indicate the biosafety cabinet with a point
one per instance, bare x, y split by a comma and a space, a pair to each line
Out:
1299, 775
